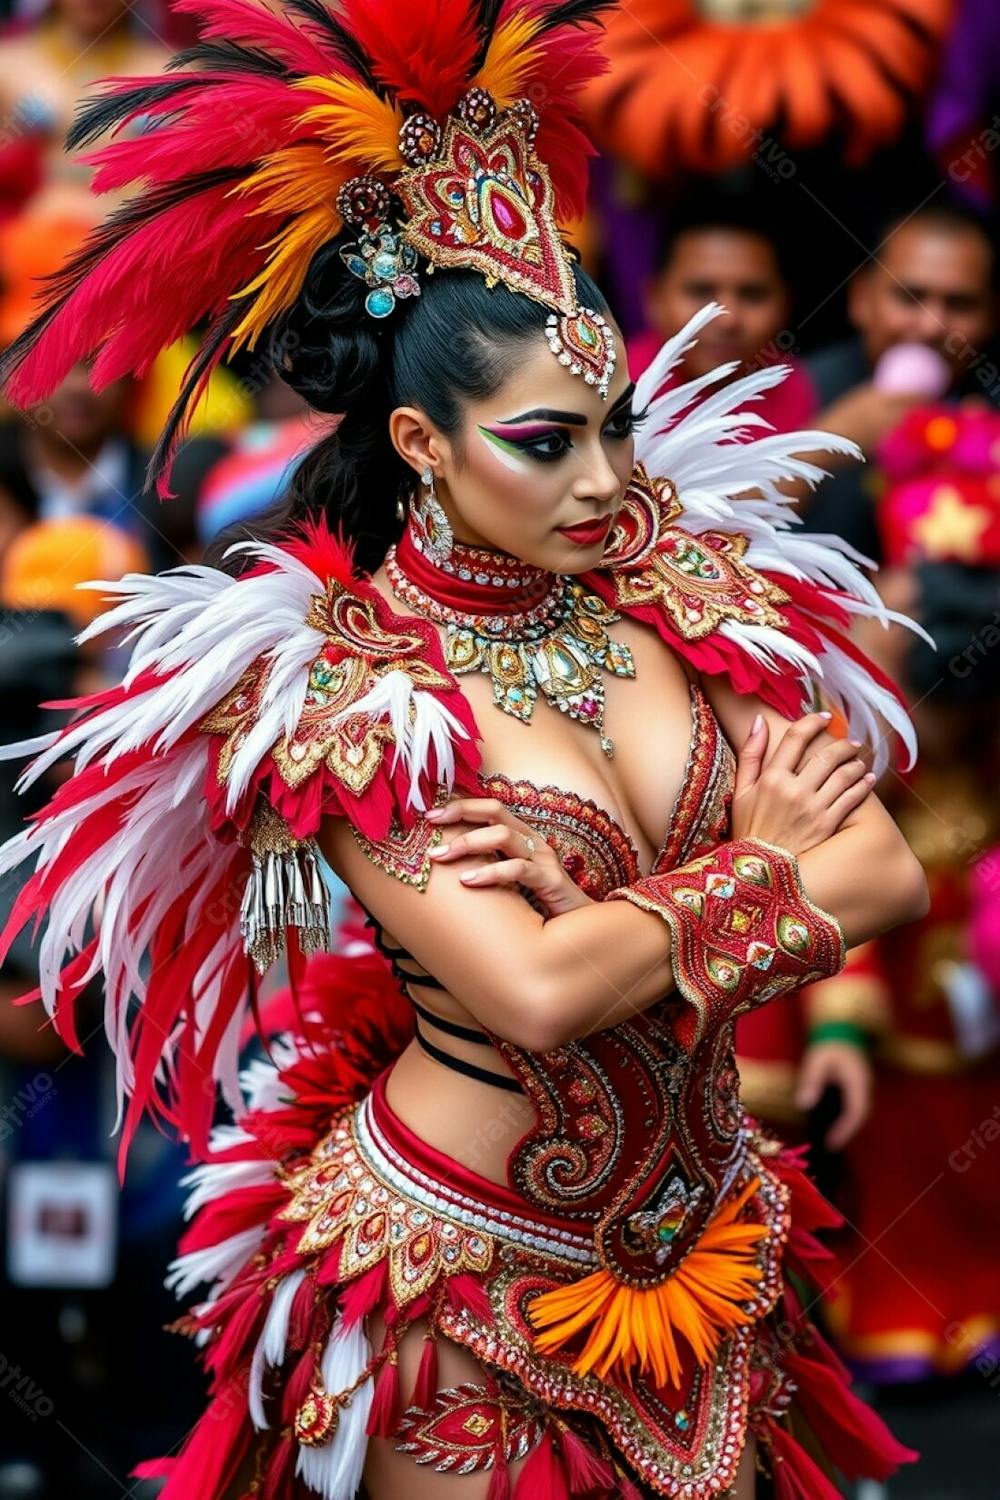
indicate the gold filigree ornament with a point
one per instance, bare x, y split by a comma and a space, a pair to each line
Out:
359, 651
340, 1199
562, 659
479, 198
700, 580
558, 648
335, 730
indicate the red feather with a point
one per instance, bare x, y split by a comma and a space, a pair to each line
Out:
165, 275
273, 32
211, 133
566, 151
213, 1451
423, 50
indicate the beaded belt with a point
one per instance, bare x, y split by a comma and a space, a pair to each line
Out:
440, 1197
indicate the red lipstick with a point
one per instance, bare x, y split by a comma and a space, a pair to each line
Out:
585, 533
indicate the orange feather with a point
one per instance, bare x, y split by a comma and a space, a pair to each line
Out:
299, 181
359, 125
510, 60
700, 1302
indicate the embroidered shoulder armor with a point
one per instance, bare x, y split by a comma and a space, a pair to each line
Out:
705, 551
252, 708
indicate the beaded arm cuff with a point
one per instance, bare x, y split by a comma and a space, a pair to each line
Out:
742, 928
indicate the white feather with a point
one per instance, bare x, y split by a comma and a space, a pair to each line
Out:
217, 1263
727, 478
196, 631
261, 1079
334, 1469
269, 1351
215, 1180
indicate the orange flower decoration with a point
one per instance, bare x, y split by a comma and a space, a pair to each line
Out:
694, 83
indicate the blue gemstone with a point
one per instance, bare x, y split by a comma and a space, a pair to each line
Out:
355, 264
385, 266
380, 302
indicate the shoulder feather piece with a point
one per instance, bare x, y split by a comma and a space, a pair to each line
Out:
706, 551
252, 708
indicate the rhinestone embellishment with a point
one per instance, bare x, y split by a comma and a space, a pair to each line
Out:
583, 341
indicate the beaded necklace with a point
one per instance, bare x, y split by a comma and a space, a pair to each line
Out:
532, 632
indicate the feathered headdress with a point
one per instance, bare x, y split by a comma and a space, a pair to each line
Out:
441, 128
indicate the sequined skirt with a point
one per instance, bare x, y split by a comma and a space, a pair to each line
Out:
373, 1227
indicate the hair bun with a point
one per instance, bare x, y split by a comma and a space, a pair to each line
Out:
327, 347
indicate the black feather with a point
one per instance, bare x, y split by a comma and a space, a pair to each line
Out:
95, 116
211, 351
346, 46
230, 57
487, 16
575, 13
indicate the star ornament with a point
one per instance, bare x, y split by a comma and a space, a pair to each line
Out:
952, 526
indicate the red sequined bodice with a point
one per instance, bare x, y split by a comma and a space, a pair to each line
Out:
637, 1133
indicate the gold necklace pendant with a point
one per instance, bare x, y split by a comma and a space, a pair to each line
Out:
562, 659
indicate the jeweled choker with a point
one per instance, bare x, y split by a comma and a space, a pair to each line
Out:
529, 630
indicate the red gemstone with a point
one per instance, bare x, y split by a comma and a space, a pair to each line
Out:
509, 219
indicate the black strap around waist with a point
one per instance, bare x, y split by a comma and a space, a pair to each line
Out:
452, 1028
405, 976
459, 1065
441, 1023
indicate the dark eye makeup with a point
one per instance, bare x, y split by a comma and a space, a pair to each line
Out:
547, 444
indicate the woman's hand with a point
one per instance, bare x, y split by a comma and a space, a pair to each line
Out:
804, 793
522, 857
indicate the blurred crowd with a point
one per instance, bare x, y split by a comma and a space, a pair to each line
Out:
841, 210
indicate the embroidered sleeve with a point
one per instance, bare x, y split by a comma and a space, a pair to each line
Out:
718, 572
350, 712
355, 715
742, 928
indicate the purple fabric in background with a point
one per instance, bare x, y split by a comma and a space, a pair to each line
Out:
629, 243
968, 83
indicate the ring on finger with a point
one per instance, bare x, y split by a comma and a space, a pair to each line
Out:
529, 841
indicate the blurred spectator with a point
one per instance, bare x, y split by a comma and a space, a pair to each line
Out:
44, 71
918, 1294
251, 477
78, 456
723, 251
924, 311
85, 1315
219, 481
961, 120
18, 496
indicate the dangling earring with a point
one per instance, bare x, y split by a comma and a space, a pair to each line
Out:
400, 511
436, 536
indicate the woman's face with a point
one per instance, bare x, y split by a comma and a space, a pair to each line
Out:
539, 468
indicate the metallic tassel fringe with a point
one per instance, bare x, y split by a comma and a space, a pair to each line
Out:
285, 889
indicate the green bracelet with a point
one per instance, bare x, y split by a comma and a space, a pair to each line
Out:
840, 1031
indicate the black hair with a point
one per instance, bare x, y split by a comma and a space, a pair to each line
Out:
729, 210
458, 341
949, 214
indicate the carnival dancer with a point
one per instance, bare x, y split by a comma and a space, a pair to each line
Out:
493, 666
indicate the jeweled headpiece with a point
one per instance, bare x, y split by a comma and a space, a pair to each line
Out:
409, 122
